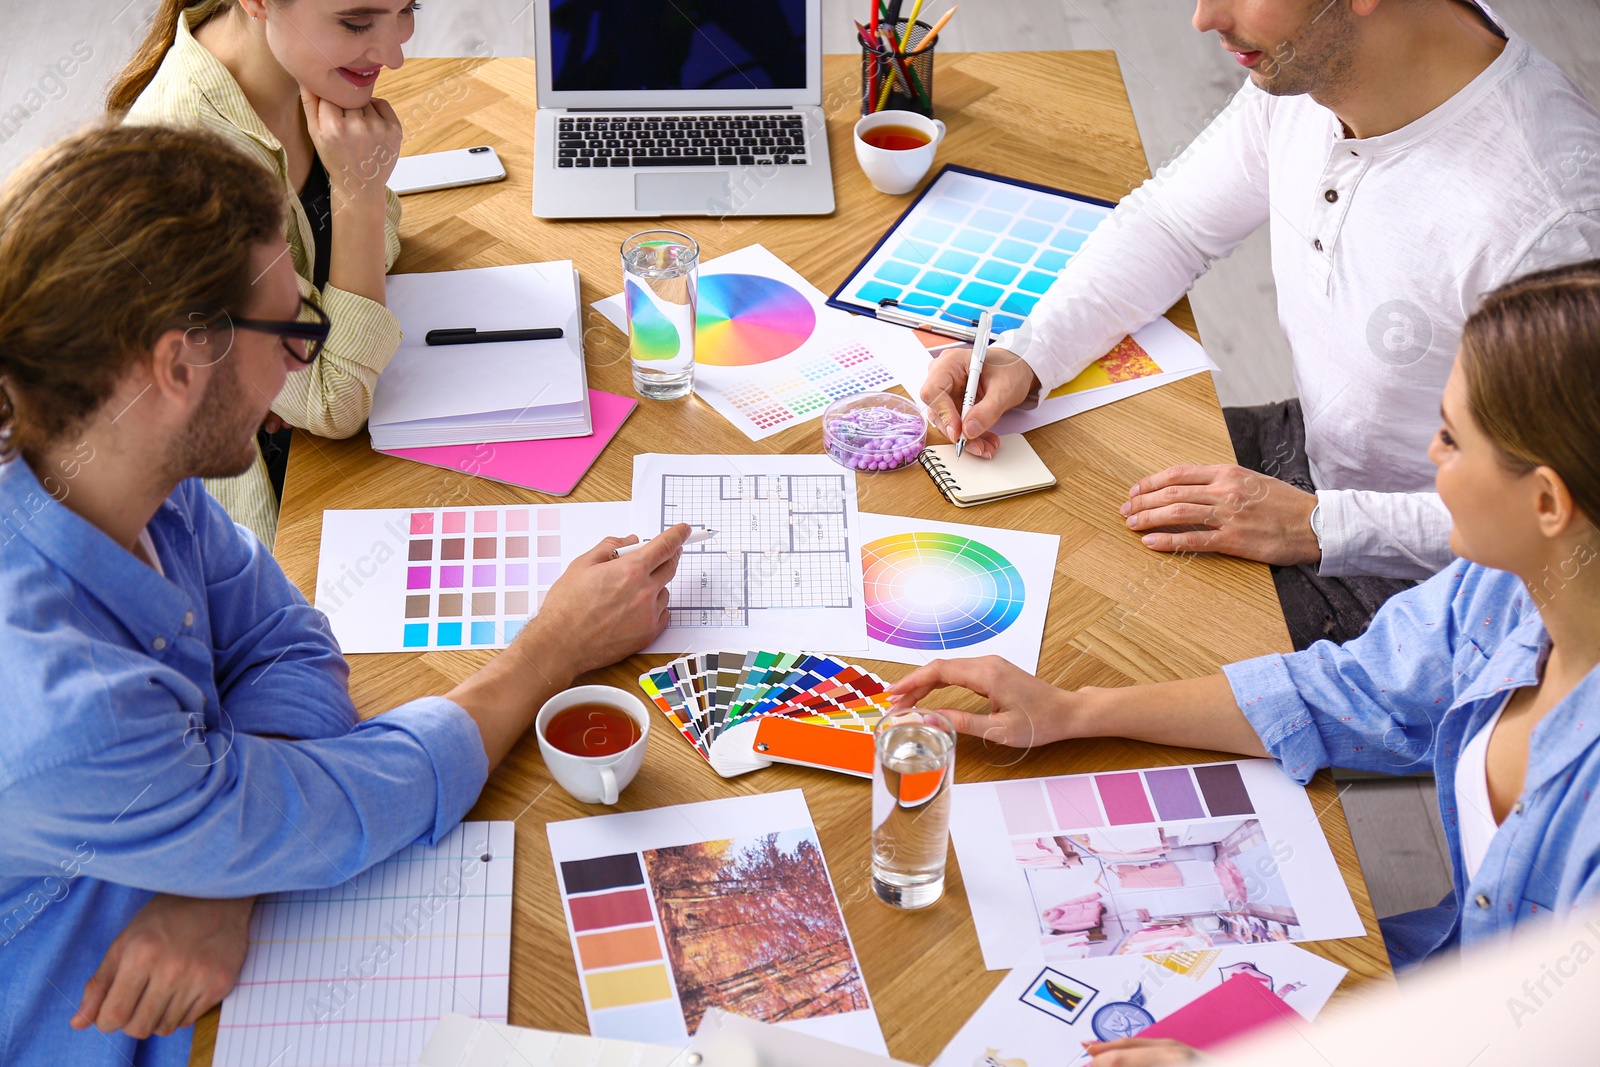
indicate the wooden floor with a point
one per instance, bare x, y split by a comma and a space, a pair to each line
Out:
56, 58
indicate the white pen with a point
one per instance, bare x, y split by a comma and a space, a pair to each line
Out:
693, 539
980, 351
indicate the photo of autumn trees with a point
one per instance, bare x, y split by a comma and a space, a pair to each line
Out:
752, 927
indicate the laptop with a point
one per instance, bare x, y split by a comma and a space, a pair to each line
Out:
650, 108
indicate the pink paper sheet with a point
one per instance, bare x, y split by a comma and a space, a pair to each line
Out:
553, 466
1237, 1006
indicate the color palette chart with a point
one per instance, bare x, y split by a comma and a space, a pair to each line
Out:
976, 242
973, 242
428, 579
707, 694
1123, 798
617, 940
936, 588
677, 910
775, 401
770, 353
1181, 859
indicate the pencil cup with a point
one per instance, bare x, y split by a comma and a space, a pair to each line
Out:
660, 275
896, 79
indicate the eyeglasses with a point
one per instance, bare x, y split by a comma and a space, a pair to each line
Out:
313, 334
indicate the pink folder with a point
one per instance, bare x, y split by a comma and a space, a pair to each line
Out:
1237, 1006
552, 466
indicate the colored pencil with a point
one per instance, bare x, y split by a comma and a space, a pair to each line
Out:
907, 73
911, 24
923, 44
872, 89
896, 73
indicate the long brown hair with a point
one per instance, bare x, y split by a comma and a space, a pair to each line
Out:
141, 69
107, 240
1531, 356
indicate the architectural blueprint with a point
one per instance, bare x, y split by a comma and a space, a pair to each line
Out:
784, 567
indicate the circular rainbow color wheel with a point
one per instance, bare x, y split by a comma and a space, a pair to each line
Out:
937, 590
745, 319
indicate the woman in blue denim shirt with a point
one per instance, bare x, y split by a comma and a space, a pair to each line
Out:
1486, 672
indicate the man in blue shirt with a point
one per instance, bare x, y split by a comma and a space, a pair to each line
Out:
156, 658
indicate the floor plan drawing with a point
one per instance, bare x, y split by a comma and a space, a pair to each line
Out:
783, 568
782, 542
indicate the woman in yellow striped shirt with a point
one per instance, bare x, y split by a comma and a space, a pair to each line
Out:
290, 82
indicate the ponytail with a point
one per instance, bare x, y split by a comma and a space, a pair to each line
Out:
141, 69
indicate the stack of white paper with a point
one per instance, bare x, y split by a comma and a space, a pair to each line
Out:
469, 394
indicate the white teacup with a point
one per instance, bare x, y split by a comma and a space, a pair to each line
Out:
594, 779
897, 170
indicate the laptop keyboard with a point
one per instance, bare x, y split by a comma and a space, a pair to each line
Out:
720, 140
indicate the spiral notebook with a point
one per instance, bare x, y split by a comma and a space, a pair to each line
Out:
1015, 469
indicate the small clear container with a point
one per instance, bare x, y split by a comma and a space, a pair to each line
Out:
874, 432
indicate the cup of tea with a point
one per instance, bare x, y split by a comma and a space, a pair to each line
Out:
895, 148
592, 738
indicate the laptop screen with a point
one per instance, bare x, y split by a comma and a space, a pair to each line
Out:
667, 45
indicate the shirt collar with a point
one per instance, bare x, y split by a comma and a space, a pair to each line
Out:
1511, 57
212, 80
149, 606
1515, 661
1569, 729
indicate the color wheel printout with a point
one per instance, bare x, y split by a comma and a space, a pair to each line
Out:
769, 352
949, 589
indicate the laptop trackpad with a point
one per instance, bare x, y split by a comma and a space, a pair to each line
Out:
699, 193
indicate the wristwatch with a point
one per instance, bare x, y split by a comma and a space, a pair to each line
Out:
1316, 524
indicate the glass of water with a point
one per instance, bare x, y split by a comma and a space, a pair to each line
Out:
911, 779
660, 276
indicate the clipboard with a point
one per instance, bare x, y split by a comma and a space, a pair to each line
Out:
840, 300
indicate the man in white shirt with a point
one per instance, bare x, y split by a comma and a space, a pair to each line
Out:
1409, 155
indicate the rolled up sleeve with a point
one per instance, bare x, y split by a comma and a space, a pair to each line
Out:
222, 813
1370, 704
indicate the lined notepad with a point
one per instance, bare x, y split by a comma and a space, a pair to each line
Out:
358, 975
1015, 469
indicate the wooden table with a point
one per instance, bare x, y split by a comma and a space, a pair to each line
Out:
1119, 614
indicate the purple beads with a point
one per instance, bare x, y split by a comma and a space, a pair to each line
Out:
874, 432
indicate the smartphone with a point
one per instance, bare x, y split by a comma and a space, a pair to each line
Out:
446, 170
